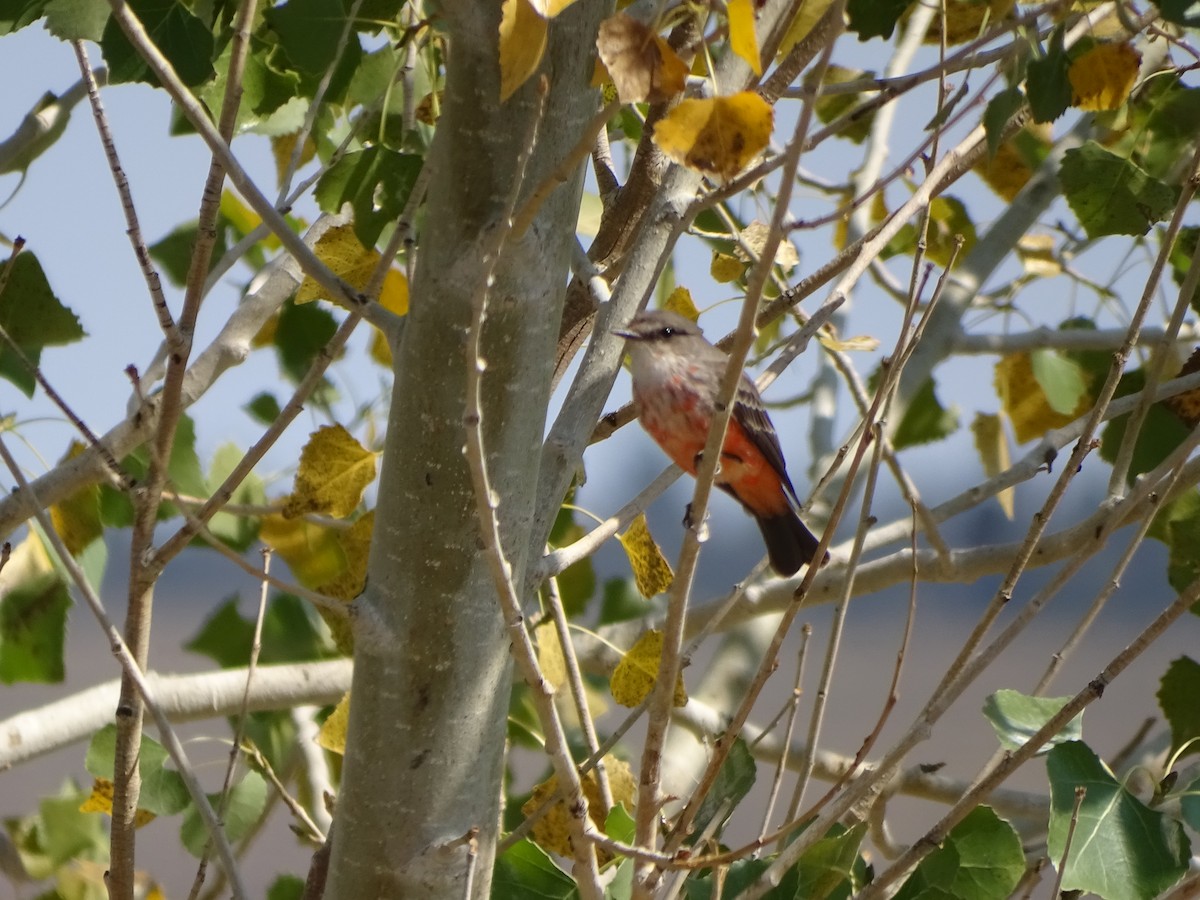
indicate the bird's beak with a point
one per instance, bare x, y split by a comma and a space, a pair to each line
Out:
628, 335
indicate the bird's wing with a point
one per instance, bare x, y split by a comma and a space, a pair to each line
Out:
748, 411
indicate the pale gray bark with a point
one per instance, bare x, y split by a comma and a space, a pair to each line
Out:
432, 669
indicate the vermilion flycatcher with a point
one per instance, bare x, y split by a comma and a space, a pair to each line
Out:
676, 377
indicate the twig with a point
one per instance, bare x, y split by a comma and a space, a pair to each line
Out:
793, 707
1080, 794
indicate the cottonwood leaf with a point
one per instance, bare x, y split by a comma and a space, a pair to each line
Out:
525, 870
992, 445
718, 136
243, 807
313, 553
925, 420
184, 39
1013, 164
981, 859
376, 182
725, 267
831, 107
34, 318
680, 301
1103, 76
803, 22
332, 734
734, 780
334, 471
965, 19
101, 800
77, 518
754, 238
33, 615
283, 146
340, 249
550, 655
874, 18
1046, 81
642, 66
522, 44
163, 792
843, 345
1016, 717
1024, 401
1121, 849
1037, 255
1177, 693
394, 298
551, 832
1187, 405
651, 571
742, 39
635, 674
1111, 195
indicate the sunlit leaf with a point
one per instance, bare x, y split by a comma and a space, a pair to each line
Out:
332, 734
1016, 717
334, 471
522, 44
742, 39
718, 136
33, 318
1177, 693
635, 674
680, 301
1024, 401
552, 832
981, 859
651, 570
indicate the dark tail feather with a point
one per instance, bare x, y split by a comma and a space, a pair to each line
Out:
790, 544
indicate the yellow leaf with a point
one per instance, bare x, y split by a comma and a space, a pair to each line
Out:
101, 801
651, 571
718, 136
725, 268
741, 33
550, 655
754, 237
1102, 78
332, 735
339, 249
1023, 400
393, 297
858, 342
313, 553
635, 674
355, 543
551, 8
992, 445
522, 44
282, 148
948, 221
1012, 166
809, 14
77, 518
334, 471
1036, 252
680, 301
642, 66
966, 18
552, 832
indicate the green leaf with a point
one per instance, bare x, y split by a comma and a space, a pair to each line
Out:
163, 791
1016, 717
265, 87
16, 14
525, 872
738, 877
833, 864
925, 420
620, 825
1177, 695
286, 887
235, 531
1161, 432
1183, 539
375, 182
1047, 82
1061, 379
621, 601
981, 859
1189, 805
832, 106
65, 834
264, 408
184, 40
309, 31
999, 110
33, 626
77, 20
173, 253
290, 633
1111, 195
875, 18
302, 333
1121, 849
244, 806
33, 318
1181, 12
733, 783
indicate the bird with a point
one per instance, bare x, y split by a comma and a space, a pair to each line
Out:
676, 378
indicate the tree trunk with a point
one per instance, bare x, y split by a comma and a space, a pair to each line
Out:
432, 673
